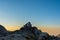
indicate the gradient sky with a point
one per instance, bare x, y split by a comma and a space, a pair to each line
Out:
39, 12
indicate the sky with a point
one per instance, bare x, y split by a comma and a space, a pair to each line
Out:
41, 13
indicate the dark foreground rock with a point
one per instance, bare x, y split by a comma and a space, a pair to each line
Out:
27, 32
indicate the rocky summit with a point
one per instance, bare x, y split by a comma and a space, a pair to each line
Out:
27, 32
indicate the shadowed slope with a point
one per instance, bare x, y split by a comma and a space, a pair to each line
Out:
27, 32
3, 31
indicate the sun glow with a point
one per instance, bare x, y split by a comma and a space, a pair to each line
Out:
12, 28
50, 30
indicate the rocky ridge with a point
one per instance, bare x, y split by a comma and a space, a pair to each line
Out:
27, 32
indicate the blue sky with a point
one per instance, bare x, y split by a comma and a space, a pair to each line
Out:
39, 12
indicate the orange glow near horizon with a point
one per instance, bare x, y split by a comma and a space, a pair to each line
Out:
50, 30
12, 28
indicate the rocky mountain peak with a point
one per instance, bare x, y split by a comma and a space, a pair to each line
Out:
28, 25
27, 32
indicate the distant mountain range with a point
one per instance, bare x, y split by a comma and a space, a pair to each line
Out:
27, 32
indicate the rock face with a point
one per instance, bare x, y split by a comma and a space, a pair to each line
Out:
3, 31
27, 32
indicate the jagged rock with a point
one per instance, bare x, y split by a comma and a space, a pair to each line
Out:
43, 36
3, 31
28, 25
27, 32
13, 37
53, 38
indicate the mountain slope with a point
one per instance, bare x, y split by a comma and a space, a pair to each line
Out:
27, 32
